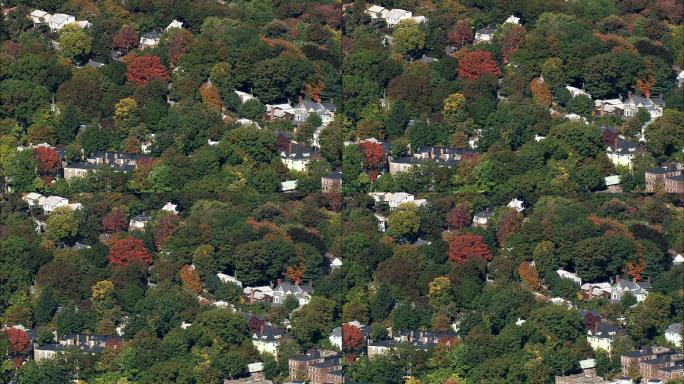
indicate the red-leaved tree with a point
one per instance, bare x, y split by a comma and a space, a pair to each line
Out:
115, 221
127, 250
48, 160
125, 39
468, 246
166, 226
144, 68
373, 154
512, 37
18, 340
477, 63
458, 217
509, 222
179, 44
351, 337
460, 33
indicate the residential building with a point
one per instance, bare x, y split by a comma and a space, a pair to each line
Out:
150, 39
302, 292
621, 151
377, 12
680, 79
673, 334
275, 112
402, 164
244, 96
288, 186
517, 204
229, 279
396, 199
263, 294
602, 334
318, 373
574, 92
298, 366
170, 207
654, 363
53, 202
139, 222
38, 16
596, 290
332, 182
653, 106
485, 34
381, 347
335, 337
326, 111
622, 286
563, 274
666, 178
267, 338
297, 156
609, 107
512, 20
613, 183
59, 20
481, 219
175, 24
33, 199
86, 343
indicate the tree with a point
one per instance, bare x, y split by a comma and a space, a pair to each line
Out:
126, 38
47, 159
649, 318
540, 92
454, 107
458, 217
191, 279
513, 36
178, 45
477, 63
404, 223
18, 340
352, 338
408, 37
507, 224
62, 224
665, 135
468, 246
142, 69
116, 220
581, 105
382, 303
74, 41
529, 276
461, 33
166, 226
252, 109
210, 96
127, 250
20, 99
373, 154
311, 322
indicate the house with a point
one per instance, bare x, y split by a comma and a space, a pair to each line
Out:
382, 222
288, 186
654, 363
319, 373
381, 347
621, 151
336, 337
563, 274
301, 292
139, 222
94, 64
150, 39
622, 286
297, 156
244, 121
229, 279
666, 178
38, 16
59, 20
402, 164
336, 263
263, 294
395, 199
441, 153
175, 24
170, 207
680, 79
602, 335
87, 343
673, 334
574, 92
677, 258
485, 34
266, 339
517, 204
244, 96
275, 112
613, 183
332, 182
481, 219
33, 199
512, 20
298, 366
609, 107
397, 15
596, 290
326, 111
653, 106
53, 202
376, 12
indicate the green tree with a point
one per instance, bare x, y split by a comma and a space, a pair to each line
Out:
312, 321
74, 41
62, 224
21, 170
408, 37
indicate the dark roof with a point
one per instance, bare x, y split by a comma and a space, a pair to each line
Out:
663, 169
679, 177
335, 175
405, 160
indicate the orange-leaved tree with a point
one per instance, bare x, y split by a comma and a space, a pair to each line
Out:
477, 63
127, 250
142, 69
468, 246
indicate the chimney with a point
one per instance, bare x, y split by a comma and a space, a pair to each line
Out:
617, 279
591, 292
280, 282
634, 280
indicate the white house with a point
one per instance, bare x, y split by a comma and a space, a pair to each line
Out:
481, 219
680, 79
512, 20
377, 12
244, 96
150, 39
570, 276
38, 16
229, 279
266, 339
673, 334
288, 186
396, 15
59, 20
336, 337
394, 200
139, 222
602, 336
170, 207
336, 263
485, 34
326, 111
53, 202
175, 24
302, 292
33, 199
574, 92
382, 222
517, 204
653, 106
637, 288
621, 152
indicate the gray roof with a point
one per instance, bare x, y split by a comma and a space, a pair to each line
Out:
674, 328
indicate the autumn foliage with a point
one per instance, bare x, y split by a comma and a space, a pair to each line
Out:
125, 39
48, 159
166, 226
373, 154
477, 63
513, 36
142, 69
460, 33
540, 92
458, 217
18, 340
115, 221
509, 222
179, 44
210, 96
351, 337
191, 279
127, 250
468, 246
529, 275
